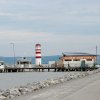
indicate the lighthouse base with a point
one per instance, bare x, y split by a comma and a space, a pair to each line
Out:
38, 61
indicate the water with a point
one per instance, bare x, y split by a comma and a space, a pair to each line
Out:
10, 80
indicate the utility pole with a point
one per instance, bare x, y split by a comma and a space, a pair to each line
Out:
13, 52
96, 54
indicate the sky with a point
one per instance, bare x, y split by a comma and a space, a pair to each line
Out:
58, 25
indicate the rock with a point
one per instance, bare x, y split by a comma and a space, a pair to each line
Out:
15, 92
40, 85
11, 93
11, 96
61, 80
24, 90
2, 97
72, 76
51, 82
6, 93
1, 91
46, 84
36, 89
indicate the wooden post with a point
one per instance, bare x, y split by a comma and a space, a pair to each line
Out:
55, 69
48, 69
42, 70
17, 70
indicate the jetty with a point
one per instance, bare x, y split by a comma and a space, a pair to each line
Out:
44, 69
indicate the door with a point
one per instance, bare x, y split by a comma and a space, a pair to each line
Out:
82, 63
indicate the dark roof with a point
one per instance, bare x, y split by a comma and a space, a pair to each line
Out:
24, 59
77, 54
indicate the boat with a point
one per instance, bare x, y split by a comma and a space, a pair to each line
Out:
2, 66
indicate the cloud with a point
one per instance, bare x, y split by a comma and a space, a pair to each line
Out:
51, 10
21, 36
59, 25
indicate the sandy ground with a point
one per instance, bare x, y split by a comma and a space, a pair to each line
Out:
87, 88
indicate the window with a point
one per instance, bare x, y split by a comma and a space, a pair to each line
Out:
68, 59
76, 59
89, 59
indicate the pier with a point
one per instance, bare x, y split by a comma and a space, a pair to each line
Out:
44, 69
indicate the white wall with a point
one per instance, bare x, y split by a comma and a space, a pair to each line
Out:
38, 61
78, 63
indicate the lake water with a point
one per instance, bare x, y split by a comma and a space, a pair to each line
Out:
10, 80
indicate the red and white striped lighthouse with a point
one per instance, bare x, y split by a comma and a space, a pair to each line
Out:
38, 54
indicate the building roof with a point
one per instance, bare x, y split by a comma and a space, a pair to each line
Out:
24, 59
77, 54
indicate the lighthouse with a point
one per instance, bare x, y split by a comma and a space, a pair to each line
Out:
38, 54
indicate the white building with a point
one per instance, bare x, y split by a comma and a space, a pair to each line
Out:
24, 62
78, 59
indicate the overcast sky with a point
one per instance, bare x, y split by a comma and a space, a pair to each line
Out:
58, 25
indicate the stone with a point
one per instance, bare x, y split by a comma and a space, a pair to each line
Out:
11, 96
24, 90
2, 97
15, 92
61, 80
6, 93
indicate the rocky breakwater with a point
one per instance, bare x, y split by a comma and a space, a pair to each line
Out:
32, 87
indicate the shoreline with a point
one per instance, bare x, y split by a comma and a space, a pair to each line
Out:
32, 87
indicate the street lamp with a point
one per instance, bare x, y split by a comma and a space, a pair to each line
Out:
96, 53
13, 52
